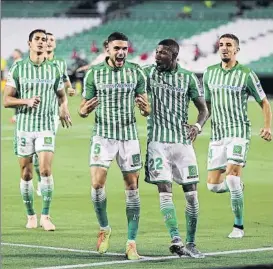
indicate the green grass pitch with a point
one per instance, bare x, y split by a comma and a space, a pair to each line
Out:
73, 215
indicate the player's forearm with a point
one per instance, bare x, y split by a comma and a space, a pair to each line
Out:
67, 84
203, 112
62, 99
267, 113
12, 102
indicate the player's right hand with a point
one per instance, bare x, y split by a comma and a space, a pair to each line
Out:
89, 106
266, 134
33, 102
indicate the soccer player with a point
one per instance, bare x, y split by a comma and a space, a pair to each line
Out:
32, 88
98, 59
170, 154
50, 56
227, 87
112, 87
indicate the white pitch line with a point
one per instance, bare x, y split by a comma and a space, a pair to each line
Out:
145, 259
61, 249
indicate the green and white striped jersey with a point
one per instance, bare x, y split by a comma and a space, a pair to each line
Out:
116, 89
63, 69
228, 92
170, 94
30, 80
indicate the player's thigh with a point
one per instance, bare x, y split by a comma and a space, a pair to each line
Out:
45, 142
45, 162
217, 155
237, 150
102, 151
129, 156
157, 163
24, 143
184, 164
98, 176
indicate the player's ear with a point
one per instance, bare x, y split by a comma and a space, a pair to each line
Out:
28, 43
237, 50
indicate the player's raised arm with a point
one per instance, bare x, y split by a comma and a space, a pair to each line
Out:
89, 101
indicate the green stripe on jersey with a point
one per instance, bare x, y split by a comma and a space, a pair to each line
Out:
116, 89
33, 80
228, 92
170, 94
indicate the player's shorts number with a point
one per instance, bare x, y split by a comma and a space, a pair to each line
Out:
156, 164
23, 142
97, 149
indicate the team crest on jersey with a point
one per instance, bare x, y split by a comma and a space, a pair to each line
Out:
129, 73
181, 77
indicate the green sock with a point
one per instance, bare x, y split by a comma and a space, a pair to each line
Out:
132, 212
237, 198
36, 166
26, 188
168, 211
99, 201
47, 187
191, 213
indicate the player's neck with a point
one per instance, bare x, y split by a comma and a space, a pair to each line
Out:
36, 58
229, 64
50, 55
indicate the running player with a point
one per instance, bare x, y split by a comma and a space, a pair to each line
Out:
33, 87
228, 85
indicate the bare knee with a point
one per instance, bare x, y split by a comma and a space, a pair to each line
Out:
98, 177
45, 171
215, 177
131, 181
26, 168
234, 170
26, 173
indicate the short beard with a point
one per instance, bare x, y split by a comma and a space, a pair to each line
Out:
226, 60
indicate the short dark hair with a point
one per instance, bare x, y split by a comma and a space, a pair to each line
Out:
105, 44
34, 32
117, 36
19, 51
231, 36
49, 34
172, 44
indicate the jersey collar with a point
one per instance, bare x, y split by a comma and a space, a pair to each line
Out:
37, 65
236, 66
113, 68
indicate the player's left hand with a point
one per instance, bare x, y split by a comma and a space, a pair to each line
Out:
143, 105
266, 134
192, 132
65, 118
71, 91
